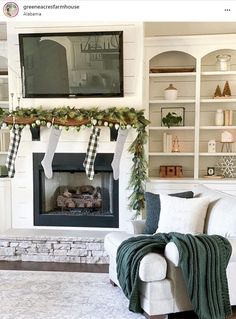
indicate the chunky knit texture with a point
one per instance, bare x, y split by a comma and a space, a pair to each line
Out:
203, 260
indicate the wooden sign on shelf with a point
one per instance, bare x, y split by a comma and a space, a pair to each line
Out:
171, 171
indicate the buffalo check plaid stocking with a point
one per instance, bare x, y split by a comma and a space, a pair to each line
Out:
12, 152
91, 153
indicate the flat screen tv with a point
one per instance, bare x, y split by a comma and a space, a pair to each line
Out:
81, 64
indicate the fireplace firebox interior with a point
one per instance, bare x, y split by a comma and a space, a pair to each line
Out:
70, 198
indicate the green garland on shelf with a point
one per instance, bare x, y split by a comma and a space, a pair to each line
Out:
66, 117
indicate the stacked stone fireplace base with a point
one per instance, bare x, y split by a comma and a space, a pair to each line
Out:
53, 246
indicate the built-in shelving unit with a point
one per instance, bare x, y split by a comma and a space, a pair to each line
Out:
195, 94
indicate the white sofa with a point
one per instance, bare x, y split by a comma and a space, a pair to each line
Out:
162, 289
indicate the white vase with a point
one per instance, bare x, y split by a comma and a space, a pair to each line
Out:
219, 117
170, 93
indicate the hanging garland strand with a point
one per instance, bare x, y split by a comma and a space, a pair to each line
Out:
138, 173
66, 117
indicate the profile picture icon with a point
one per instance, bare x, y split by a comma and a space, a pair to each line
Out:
10, 9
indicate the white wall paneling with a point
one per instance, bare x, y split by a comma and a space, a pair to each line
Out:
22, 184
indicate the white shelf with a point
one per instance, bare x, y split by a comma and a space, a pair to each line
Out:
170, 179
172, 101
229, 100
4, 76
231, 127
217, 154
170, 154
218, 180
165, 128
218, 73
4, 102
3, 153
173, 74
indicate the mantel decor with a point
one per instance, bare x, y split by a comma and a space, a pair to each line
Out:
71, 117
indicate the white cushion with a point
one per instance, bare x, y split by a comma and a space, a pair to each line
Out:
152, 267
221, 216
182, 215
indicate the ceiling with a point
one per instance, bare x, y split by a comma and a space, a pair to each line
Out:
152, 29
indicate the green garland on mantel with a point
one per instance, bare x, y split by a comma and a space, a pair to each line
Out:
66, 117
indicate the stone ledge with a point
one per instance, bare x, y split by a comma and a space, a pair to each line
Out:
57, 234
53, 246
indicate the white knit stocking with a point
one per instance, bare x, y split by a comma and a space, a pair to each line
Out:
120, 142
51, 148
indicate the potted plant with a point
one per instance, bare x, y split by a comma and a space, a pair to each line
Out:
172, 119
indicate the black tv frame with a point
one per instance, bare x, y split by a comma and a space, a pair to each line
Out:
25, 94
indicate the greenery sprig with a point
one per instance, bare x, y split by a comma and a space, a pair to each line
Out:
66, 117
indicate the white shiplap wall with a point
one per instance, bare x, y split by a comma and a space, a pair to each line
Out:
133, 57
22, 184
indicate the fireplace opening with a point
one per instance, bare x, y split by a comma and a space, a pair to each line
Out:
70, 198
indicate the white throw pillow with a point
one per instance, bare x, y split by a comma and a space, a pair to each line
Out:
182, 215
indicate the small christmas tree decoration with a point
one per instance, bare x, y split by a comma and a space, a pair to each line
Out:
217, 92
226, 91
175, 144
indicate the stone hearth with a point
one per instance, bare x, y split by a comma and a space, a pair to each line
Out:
53, 246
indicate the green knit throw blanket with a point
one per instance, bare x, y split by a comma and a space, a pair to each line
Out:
203, 260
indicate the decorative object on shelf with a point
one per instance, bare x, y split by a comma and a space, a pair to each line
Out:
172, 116
175, 144
226, 137
227, 141
66, 117
217, 93
171, 171
211, 146
170, 93
171, 70
225, 94
226, 91
226, 147
223, 62
210, 171
167, 142
227, 166
219, 117
228, 117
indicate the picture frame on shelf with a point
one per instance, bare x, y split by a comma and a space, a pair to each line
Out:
172, 116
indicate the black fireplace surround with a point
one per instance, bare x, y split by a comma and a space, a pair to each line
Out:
72, 163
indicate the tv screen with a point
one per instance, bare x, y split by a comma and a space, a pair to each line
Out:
84, 64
